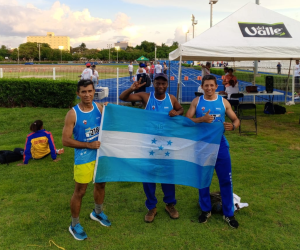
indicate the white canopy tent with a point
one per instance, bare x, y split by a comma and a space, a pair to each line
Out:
225, 41
251, 33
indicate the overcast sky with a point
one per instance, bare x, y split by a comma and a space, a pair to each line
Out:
101, 22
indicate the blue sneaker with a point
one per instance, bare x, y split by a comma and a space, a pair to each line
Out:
77, 232
102, 218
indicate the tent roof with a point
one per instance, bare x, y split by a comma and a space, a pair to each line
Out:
142, 58
225, 41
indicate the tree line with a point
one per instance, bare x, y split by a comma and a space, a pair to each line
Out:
30, 51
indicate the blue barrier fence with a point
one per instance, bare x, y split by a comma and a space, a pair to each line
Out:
188, 87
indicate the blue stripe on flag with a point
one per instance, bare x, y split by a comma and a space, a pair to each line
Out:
126, 119
112, 169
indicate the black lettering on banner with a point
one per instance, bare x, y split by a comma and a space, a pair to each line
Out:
276, 30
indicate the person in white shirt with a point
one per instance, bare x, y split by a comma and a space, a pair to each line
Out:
297, 79
130, 70
158, 68
233, 88
87, 73
206, 69
141, 66
200, 89
95, 76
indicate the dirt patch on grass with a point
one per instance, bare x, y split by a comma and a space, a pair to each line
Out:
295, 147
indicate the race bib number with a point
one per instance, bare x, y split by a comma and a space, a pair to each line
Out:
217, 118
91, 133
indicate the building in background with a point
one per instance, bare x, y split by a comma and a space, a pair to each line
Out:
54, 41
122, 45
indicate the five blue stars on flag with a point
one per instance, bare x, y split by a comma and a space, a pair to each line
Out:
160, 148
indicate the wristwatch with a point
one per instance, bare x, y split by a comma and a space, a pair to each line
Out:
233, 127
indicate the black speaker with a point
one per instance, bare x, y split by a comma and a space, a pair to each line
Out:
269, 84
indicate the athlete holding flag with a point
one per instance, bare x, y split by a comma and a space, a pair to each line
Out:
212, 108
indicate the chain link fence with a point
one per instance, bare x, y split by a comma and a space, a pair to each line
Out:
117, 79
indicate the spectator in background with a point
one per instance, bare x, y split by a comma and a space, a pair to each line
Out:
206, 69
152, 69
141, 66
39, 144
130, 70
148, 67
226, 71
95, 76
229, 77
279, 68
165, 69
87, 73
158, 68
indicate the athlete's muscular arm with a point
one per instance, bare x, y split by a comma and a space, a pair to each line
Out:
67, 139
141, 96
232, 116
192, 111
177, 108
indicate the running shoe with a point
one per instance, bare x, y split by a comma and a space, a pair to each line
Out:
232, 222
77, 232
204, 217
101, 218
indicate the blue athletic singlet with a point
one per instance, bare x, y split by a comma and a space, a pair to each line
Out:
86, 129
164, 106
216, 107
223, 163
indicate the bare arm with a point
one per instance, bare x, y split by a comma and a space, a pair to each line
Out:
232, 116
67, 139
177, 108
127, 95
192, 111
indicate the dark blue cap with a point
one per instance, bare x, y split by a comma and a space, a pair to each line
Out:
161, 75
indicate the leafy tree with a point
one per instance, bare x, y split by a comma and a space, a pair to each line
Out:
4, 51
29, 51
82, 46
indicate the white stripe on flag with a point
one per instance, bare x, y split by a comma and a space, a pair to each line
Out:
146, 146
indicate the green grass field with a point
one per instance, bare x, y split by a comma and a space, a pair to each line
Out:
34, 199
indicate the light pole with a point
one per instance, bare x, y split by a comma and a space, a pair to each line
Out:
194, 22
61, 48
39, 45
186, 31
109, 46
211, 2
18, 56
155, 49
117, 49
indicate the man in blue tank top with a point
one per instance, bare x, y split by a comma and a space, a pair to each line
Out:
83, 121
157, 101
212, 108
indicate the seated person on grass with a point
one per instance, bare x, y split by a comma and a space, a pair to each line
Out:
39, 144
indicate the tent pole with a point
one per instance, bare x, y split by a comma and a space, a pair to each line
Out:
179, 79
287, 84
254, 83
169, 76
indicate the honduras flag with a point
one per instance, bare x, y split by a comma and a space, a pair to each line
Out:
144, 146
